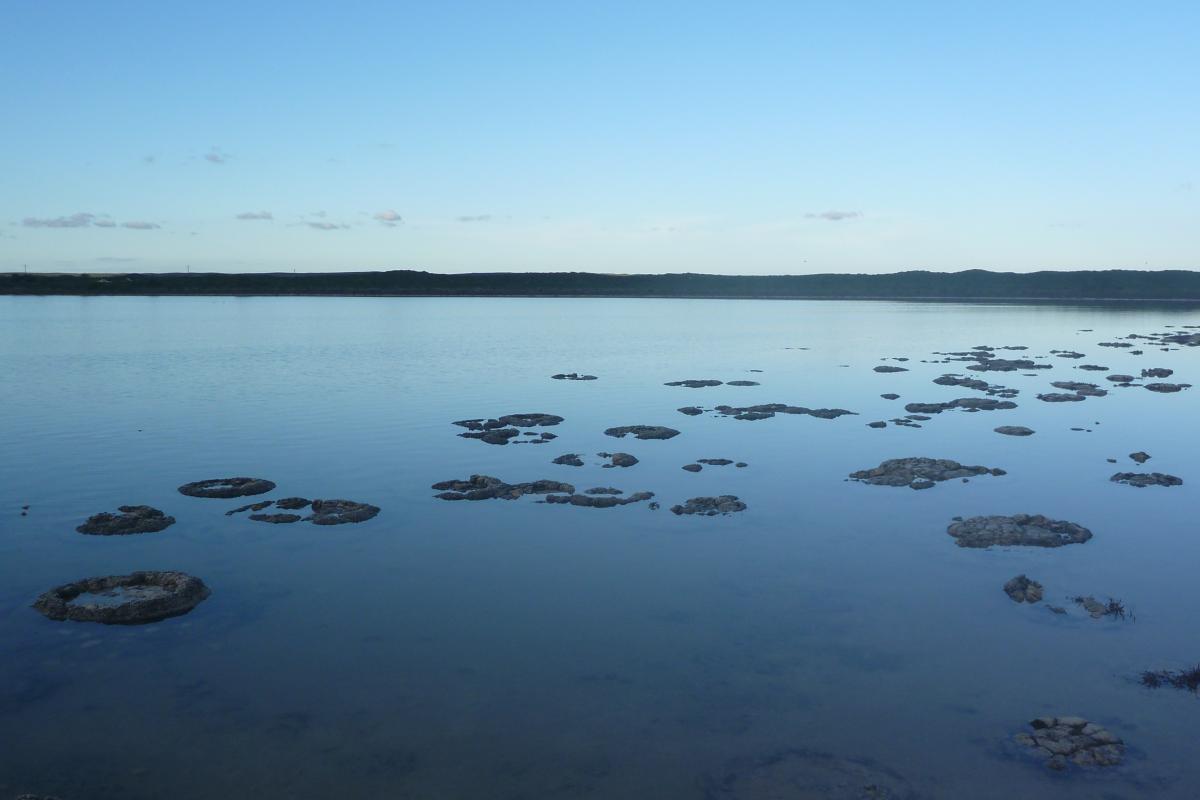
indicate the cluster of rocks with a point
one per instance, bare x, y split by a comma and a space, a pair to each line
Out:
324, 512
967, 382
693, 383
1023, 590
710, 506
642, 432
129, 520
1075, 391
1006, 365
691, 411
225, 488
501, 430
768, 410
600, 497
485, 487
1063, 741
1096, 609
572, 376
133, 599
1027, 530
965, 403
919, 472
712, 462
1144, 479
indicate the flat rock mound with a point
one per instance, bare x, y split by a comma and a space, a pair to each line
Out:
965, 403
807, 775
1143, 479
890, 368
768, 410
338, 512
1063, 741
224, 488
694, 383
1023, 590
485, 487
642, 432
691, 411
572, 376
919, 472
710, 506
606, 498
1026, 530
132, 599
500, 430
1168, 388
131, 519
1014, 430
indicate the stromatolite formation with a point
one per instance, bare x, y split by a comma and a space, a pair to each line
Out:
710, 506
1063, 741
1023, 590
130, 520
919, 472
1028, 530
340, 512
485, 487
1014, 430
642, 432
224, 488
132, 599
1144, 479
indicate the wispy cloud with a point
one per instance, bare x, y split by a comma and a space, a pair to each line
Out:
835, 216
475, 218
104, 223
216, 156
389, 218
116, 259
80, 220
139, 225
326, 226
255, 215
148, 159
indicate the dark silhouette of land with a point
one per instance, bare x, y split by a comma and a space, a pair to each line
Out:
914, 285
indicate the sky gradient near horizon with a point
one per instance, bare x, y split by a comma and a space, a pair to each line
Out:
740, 138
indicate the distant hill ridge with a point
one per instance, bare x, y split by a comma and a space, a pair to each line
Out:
914, 285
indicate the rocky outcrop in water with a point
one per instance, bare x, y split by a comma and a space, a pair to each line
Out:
485, 487
1157, 372
605, 500
1121, 379
572, 376
1167, 388
1023, 590
710, 506
618, 459
1140, 457
133, 599
1078, 387
1007, 365
569, 460
1063, 741
1021, 530
276, 519
919, 472
693, 383
691, 411
692, 467
642, 432
224, 488
1144, 479
501, 429
967, 382
1061, 397
1014, 430
340, 512
889, 368
130, 520
965, 403
768, 410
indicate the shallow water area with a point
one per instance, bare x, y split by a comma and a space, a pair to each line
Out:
515, 648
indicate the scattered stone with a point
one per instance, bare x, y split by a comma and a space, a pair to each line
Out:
1115, 344
251, 507
890, 396
919, 472
1144, 479
1014, 430
485, 487
1078, 387
224, 488
643, 432
691, 411
277, 519
1022, 590
132, 519
1113, 608
877, 424
710, 506
1062, 741
890, 368
715, 462
1167, 388
741, 465
768, 410
742, 383
1157, 372
965, 403
1027, 530
598, 501
693, 383
132, 599
692, 467
503, 428
1118, 378
1140, 457
572, 376
618, 459
569, 459
339, 512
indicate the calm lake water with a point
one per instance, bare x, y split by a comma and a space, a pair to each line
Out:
523, 650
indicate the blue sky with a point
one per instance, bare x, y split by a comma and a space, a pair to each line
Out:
617, 137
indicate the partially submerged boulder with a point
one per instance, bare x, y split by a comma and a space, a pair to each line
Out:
1157, 372
693, 383
1079, 387
224, 488
1063, 741
919, 472
618, 459
691, 411
605, 499
572, 376
1140, 457
642, 431
768, 410
132, 599
1014, 430
1027, 530
965, 403
889, 368
569, 460
710, 506
130, 520
1168, 388
1144, 479
340, 512
1023, 590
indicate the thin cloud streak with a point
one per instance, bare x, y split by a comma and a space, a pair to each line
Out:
835, 216
255, 215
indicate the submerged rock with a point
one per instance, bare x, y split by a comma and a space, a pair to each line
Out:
1096, 609
603, 490
1027, 530
710, 506
716, 462
250, 507
1140, 457
808, 775
742, 383
642, 431
1014, 430
1007, 365
1157, 372
1092, 367
1144, 479
890, 396
967, 382
1079, 387
569, 459
485, 487
618, 459
692, 467
1118, 378
130, 520
919, 472
224, 488
1063, 741
572, 376
1060, 397
132, 599
890, 368
340, 512
277, 519
292, 503
877, 424
501, 429
1023, 590
1179, 679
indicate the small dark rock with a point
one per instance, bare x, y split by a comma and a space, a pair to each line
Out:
224, 488
132, 519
